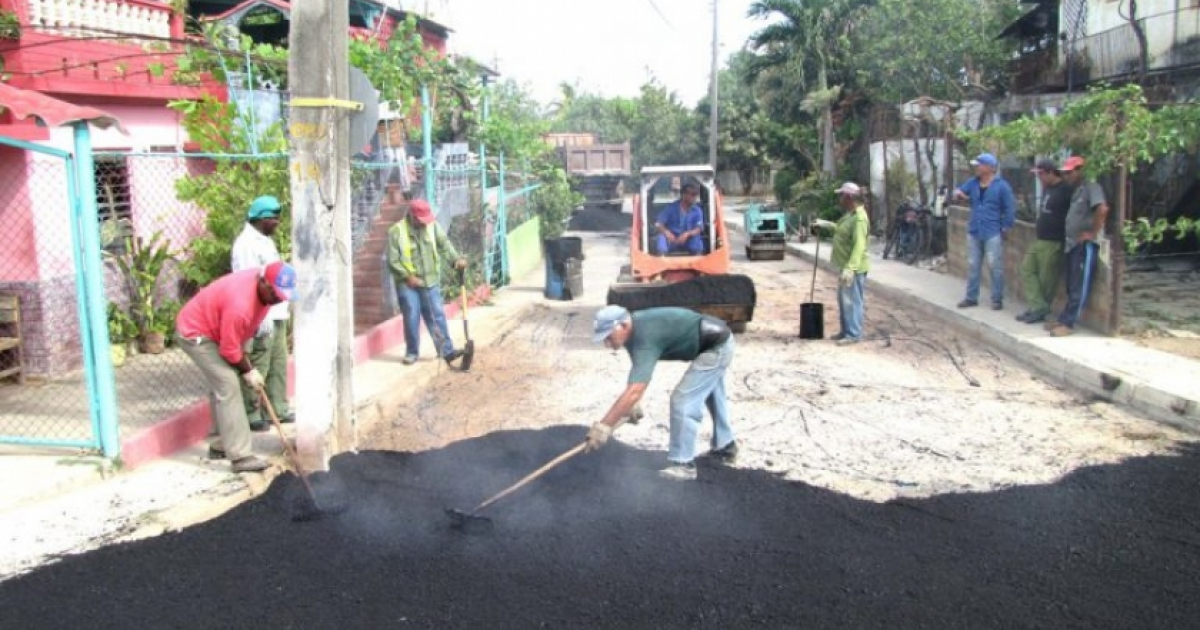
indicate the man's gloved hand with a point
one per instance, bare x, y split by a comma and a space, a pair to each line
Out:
254, 379
847, 277
265, 328
597, 436
636, 414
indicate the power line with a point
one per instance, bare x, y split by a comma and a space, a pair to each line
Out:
662, 15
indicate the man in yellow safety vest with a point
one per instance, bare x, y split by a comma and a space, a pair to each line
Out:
416, 245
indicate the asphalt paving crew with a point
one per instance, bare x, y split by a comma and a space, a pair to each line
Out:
672, 334
416, 247
214, 329
850, 236
255, 248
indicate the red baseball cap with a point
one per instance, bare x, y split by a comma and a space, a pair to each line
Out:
1072, 163
421, 212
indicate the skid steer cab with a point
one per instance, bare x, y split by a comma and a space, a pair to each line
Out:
694, 275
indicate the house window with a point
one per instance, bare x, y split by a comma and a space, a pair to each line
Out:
113, 202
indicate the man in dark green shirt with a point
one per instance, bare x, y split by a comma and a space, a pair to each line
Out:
672, 334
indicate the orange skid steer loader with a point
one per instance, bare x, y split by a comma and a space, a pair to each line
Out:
697, 280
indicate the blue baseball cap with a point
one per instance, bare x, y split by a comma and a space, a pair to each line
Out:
265, 207
282, 277
986, 159
607, 319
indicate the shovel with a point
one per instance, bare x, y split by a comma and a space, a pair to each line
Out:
472, 523
468, 354
313, 510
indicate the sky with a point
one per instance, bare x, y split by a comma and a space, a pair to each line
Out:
606, 47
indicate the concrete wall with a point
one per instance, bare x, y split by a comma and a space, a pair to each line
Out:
1099, 305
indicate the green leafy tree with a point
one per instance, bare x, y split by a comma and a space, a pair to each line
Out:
743, 127
226, 191
945, 49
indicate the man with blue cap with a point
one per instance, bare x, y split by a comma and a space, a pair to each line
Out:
212, 329
993, 213
255, 248
672, 334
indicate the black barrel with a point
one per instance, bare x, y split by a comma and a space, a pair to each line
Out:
812, 320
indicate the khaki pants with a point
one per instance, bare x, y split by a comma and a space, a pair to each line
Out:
269, 356
224, 396
1040, 272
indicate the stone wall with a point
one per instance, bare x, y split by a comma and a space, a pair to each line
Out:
1096, 312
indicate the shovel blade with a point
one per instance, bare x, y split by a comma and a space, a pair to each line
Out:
469, 523
468, 356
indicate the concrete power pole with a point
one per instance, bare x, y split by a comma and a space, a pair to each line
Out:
714, 93
320, 168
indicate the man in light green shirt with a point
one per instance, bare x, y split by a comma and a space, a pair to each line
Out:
850, 257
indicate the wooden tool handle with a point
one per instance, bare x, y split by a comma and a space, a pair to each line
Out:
533, 475
287, 446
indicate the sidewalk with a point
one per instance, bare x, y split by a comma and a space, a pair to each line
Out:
1162, 386
57, 502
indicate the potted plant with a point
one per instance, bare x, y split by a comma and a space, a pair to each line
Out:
141, 265
121, 332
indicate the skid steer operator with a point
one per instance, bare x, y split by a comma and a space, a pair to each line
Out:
680, 224
672, 334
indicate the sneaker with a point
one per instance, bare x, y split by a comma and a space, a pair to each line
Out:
253, 463
453, 356
259, 426
679, 472
1035, 318
997, 306
409, 359
726, 455
967, 304
838, 337
1061, 330
1024, 317
1050, 324
848, 341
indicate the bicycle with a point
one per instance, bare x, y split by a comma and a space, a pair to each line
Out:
910, 237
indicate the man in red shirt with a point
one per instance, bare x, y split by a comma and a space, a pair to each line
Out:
213, 328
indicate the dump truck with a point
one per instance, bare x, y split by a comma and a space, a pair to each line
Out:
766, 232
700, 282
598, 172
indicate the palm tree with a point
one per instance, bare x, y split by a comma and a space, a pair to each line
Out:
809, 41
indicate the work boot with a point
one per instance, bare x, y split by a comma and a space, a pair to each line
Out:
259, 426
847, 341
409, 359
453, 356
679, 472
726, 455
1035, 318
251, 463
1061, 330
1050, 324
216, 452
1024, 316
287, 418
998, 306
967, 304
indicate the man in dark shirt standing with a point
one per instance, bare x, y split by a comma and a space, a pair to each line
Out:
1042, 266
672, 334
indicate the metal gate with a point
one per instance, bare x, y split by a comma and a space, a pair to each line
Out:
51, 392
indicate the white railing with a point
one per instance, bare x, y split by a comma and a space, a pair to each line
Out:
83, 18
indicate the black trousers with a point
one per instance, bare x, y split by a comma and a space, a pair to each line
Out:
1078, 272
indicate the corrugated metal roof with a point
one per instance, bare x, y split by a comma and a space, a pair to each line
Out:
51, 111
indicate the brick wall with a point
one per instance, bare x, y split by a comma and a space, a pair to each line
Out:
372, 305
49, 325
1099, 305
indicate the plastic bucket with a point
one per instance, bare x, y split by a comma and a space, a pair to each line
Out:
812, 320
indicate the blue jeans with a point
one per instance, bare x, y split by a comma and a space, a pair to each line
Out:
694, 245
702, 386
850, 306
424, 303
993, 249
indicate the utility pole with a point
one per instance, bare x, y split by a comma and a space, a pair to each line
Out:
714, 94
320, 176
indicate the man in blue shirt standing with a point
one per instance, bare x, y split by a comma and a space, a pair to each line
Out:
680, 224
993, 212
